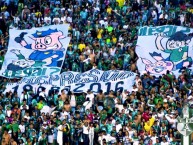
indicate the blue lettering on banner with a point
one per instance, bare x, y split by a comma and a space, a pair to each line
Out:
117, 88
68, 76
67, 88
114, 76
85, 78
15, 88
53, 78
53, 90
94, 80
40, 88
105, 76
79, 86
92, 87
28, 87
108, 84
54, 70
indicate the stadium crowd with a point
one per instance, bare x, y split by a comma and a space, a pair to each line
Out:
103, 36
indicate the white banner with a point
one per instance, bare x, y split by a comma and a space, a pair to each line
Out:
36, 51
164, 48
94, 80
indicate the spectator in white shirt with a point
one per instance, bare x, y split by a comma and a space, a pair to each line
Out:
159, 7
118, 126
23, 96
16, 19
47, 19
85, 133
164, 142
69, 19
172, 120
163, 16
90, 96
104, 22
91, 134
153, 138
24, 106
63, 18
137, 80
56, 20
22, 127
43, 94
124, 95
154, 16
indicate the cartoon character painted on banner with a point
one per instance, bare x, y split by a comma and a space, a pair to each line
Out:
46, 45
161, 66
22, 62
177, 47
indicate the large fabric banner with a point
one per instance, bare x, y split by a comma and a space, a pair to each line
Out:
36, 52
94, 80
164, 48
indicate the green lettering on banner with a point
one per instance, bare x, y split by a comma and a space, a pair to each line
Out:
160, 29
44, 71
17, 73
174, 30
187, 30
9, 74
152, 31
168, 30
36, 72
142, 31
27, 71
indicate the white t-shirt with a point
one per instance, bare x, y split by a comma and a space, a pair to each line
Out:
164, 143
69, 19
102, 22
56, 20
124, 96
91, 131
153, 138
118, 127
16, 19
96, 9
22, 128
47, 20
42, 94
85, 129
90, 96
63, 19
161, 16
161, 115
8, 112
171, 120
154, 15
27, 117
120, 107
182, 18
51, 138
73, 101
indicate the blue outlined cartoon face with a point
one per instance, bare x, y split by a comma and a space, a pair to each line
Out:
47, 40
178, 40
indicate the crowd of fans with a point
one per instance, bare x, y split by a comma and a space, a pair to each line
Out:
104, 35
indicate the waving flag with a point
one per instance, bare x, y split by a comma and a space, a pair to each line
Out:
36, 52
